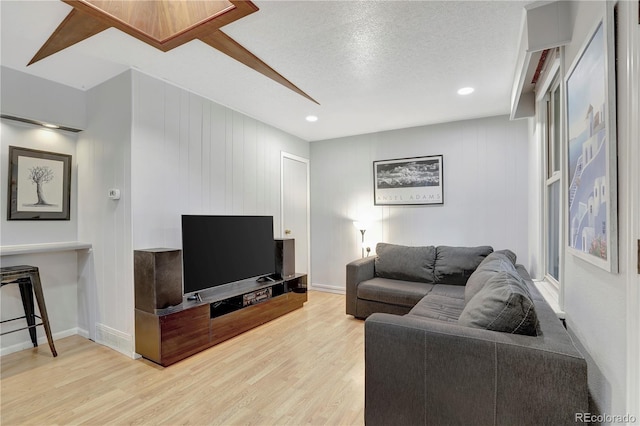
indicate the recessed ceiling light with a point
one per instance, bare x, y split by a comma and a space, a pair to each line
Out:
50, 126
311, 118
466, 91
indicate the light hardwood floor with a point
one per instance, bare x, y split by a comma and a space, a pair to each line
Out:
306, 367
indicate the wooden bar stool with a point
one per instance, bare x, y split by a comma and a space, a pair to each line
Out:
28, 278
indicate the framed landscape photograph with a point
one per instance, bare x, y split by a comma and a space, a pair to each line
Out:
39, 185
408, 181
591, 149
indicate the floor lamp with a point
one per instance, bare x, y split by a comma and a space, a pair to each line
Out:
362, 227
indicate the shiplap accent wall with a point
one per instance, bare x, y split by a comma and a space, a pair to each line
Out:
485, 192
105, 280
193, 156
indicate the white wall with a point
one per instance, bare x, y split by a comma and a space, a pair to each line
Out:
58, 271
193, 156
595, 300
598, 304
14, 133
104, 161
58, 274
485, 192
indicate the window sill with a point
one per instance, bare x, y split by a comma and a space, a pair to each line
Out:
551, 295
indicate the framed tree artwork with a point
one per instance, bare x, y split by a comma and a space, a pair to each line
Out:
39, 185
408, 181
591, 149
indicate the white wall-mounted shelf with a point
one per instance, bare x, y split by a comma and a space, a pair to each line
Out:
43, 248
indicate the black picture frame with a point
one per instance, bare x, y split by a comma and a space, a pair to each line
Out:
39, 185
408, 181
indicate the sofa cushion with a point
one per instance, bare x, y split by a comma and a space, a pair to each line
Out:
394, 292
452, 291
503, 304
493, 263
444, 303
454, 265
405, 263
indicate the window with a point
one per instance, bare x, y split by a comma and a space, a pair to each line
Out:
552, 187
549, 95
553, 192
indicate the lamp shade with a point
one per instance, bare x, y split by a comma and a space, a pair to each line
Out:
362, 226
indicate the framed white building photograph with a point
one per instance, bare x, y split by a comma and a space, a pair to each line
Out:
591, 150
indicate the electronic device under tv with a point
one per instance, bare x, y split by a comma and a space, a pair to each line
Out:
219, 250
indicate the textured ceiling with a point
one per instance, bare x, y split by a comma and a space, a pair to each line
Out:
372, 65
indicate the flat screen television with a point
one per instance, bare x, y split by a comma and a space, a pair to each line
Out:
218, 250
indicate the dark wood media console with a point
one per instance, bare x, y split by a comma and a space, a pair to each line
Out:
172, 334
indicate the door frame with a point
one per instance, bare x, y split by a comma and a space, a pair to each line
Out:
288, 156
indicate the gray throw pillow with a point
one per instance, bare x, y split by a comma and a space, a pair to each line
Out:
493, 263
508, 254
405, 263
504, 305
454, 265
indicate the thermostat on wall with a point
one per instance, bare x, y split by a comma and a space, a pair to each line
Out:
114, 194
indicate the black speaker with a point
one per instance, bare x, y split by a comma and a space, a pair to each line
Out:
285, 257
157, 275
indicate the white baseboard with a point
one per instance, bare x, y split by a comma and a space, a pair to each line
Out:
327, 288
42, 340
115, 339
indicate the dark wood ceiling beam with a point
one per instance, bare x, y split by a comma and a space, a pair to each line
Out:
76, 27
87, 19
225, 44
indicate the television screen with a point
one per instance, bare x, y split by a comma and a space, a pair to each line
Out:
218, 250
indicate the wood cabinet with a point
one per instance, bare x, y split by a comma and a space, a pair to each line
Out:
170, 335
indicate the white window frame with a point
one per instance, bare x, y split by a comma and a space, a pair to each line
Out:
552, 176
550, 80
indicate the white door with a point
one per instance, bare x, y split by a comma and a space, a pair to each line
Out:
295, 206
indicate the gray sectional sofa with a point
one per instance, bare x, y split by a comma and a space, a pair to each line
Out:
460, 335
